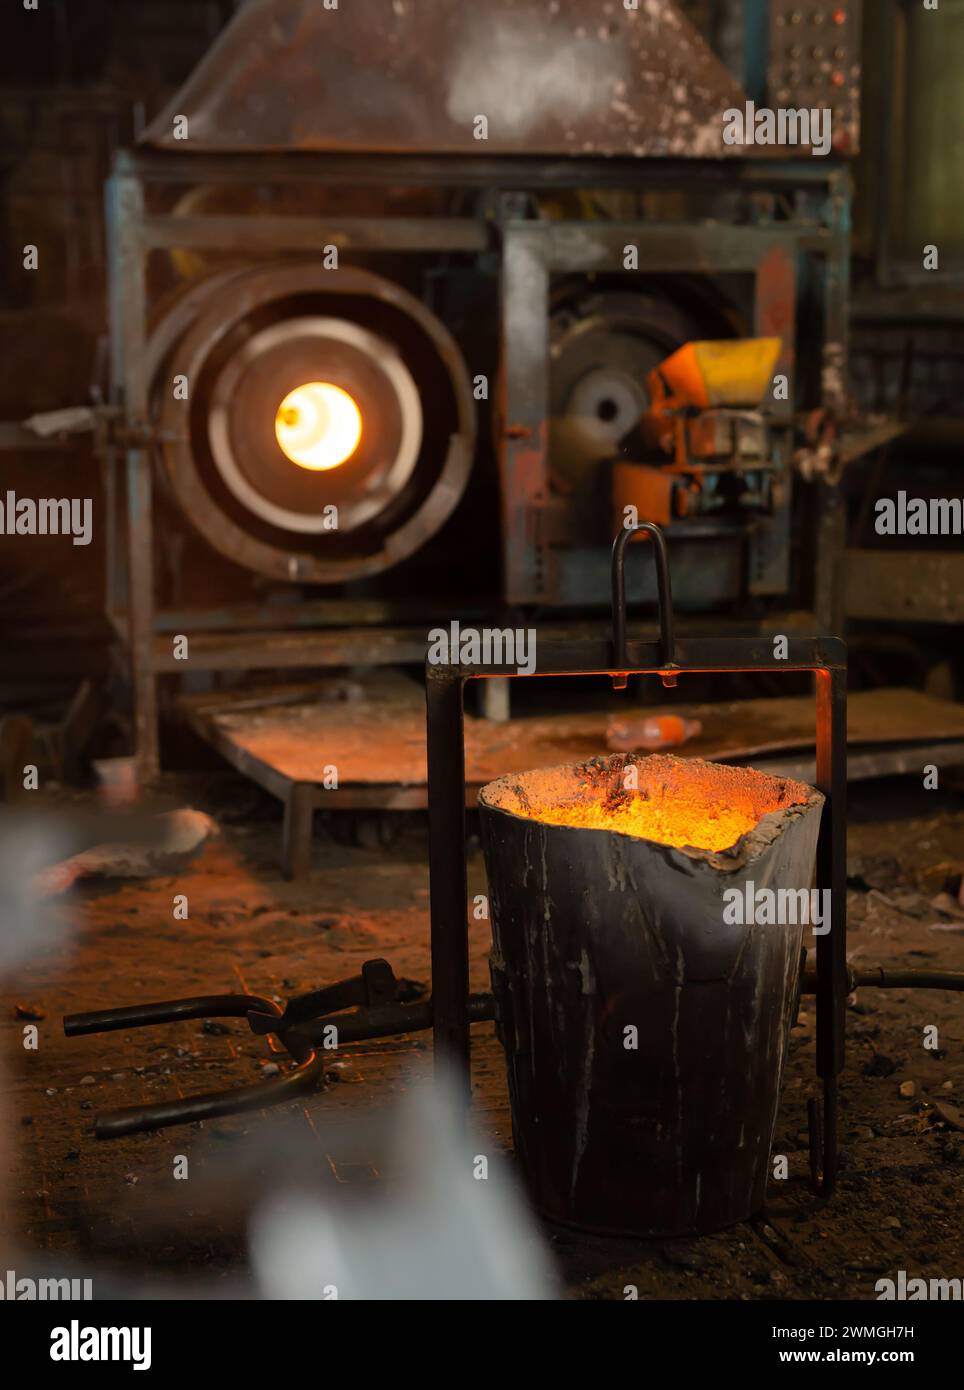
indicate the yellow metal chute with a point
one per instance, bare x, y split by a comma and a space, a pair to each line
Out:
722, 372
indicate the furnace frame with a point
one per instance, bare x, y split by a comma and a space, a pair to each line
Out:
814, 193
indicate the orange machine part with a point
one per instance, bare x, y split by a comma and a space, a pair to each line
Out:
649, 490
657, 494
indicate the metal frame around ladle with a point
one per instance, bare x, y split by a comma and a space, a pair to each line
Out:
452, 1009
668, 658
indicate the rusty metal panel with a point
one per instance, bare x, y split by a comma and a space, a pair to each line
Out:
813, 61
551, 77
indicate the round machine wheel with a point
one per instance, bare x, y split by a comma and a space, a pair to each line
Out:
604, 342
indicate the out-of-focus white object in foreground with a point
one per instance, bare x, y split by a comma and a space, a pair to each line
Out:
439, 1233
26, 928
178, 837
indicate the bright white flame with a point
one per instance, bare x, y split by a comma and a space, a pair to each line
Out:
318, 425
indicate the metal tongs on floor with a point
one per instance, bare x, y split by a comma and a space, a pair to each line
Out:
303, 1024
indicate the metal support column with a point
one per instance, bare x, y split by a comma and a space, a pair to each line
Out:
448, 876
128, 320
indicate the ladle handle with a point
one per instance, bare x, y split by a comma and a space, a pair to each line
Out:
667, 639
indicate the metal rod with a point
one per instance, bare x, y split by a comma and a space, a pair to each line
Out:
448, 877
351, 169
879, 978
667, 638
168, 1011
831, 975
391, 1020
302, 233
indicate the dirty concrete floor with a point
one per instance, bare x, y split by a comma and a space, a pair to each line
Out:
114, 1206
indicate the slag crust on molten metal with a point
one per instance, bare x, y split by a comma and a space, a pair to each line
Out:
685, 803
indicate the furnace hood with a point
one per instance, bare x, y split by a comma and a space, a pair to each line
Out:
551, 77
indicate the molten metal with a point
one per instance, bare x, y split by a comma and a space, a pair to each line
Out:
685, 803
318, 425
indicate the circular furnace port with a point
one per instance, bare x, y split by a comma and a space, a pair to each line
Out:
329, 428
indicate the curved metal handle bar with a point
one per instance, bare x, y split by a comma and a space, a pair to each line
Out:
667, 639
212, 1104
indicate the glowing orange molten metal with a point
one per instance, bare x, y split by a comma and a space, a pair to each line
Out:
682, 802
683, 821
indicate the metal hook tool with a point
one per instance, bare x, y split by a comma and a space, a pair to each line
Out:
372, 996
